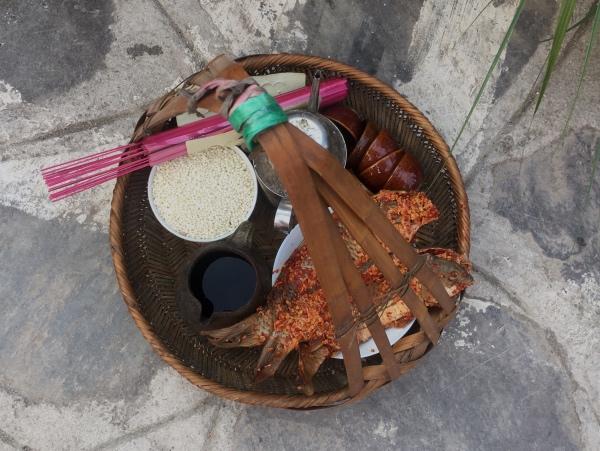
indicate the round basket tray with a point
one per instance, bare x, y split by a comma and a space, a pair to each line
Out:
147, 258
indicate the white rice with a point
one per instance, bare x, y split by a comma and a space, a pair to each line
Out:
206, 195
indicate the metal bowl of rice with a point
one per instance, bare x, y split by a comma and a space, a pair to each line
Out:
206, 196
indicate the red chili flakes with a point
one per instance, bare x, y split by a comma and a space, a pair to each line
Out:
298, 301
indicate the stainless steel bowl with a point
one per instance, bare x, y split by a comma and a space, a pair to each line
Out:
315, 125
320, 129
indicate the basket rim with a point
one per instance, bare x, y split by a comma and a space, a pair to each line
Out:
257, 398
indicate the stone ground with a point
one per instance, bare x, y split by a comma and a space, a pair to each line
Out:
519, 369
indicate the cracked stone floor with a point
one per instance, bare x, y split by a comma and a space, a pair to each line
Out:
518, 369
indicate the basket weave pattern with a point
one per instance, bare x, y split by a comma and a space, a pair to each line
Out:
147, 258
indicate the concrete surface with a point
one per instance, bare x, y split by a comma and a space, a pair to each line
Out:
519, 369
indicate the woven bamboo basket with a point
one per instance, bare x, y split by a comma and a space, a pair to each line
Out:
147, 258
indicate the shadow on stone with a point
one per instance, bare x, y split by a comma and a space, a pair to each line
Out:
362, 34
64, 330
485, 387
545, 195
50, 46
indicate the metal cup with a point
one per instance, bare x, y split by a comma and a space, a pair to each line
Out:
325, 133
320, 129
284, 216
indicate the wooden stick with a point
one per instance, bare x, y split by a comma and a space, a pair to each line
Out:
349, 188
362, 298
381, 258
319, 236
314, 217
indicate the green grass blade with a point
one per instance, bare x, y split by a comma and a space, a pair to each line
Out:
491, 69
540, 72
477, 17
586, 60
594, 167
567, 8
587, 16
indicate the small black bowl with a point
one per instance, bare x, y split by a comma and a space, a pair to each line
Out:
190, 301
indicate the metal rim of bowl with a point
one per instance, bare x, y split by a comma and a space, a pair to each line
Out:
327, 124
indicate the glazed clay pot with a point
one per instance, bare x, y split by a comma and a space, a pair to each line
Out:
190, 305
380, 164
348, 121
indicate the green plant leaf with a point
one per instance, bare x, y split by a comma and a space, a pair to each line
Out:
586, 60
541, 71
587, 16
564, 19
477, 17
594, 167
505, 40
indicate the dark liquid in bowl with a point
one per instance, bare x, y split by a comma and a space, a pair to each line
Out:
222, 282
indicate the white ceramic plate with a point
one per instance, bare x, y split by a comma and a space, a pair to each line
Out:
247, 162
289, 245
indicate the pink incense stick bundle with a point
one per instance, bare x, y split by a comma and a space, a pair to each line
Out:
66, 179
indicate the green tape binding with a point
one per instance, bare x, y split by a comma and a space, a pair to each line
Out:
256, 115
